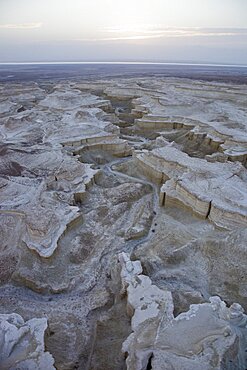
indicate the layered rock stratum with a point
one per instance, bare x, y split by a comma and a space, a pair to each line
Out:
123, 212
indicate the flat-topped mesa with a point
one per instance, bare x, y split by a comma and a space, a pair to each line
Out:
233, 148
111, 144
154, 122
235, 153
89, 139
139, 108
22, 344
205, 138
213, 190
71, 99
97, 139
198, 134
207, 336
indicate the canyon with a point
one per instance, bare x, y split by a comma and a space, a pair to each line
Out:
123, 212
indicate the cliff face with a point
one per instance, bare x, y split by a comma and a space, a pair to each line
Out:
207, 336
122, 216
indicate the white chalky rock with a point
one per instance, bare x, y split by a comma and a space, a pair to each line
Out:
22, 344
212, 190
209, 336
130, 269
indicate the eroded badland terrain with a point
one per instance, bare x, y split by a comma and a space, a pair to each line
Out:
123, 225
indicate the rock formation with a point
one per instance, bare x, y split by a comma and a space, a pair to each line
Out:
213, 190
22, 344
208, 336
152, 170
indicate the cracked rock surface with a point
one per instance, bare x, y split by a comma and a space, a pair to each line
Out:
207, 336
123, 218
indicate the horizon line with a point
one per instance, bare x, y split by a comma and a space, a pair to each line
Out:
126, 63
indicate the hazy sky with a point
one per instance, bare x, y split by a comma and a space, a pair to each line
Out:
124, 30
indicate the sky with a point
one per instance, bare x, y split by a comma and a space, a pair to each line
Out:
194, 31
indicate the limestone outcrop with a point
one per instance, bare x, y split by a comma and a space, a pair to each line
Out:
22, 344
213, 190
207, 336
40, 188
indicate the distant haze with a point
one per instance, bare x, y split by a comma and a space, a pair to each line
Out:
204, 31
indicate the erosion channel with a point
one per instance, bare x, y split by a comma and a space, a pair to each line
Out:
123, 224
